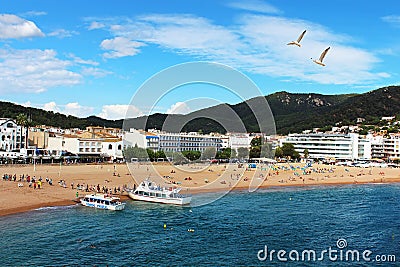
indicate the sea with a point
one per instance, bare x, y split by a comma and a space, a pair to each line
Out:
348, 225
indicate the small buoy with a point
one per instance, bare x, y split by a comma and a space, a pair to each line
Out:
190, 230
165, 226
190, 210
290, 198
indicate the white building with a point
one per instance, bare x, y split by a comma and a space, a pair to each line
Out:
87, 149
12, 136
331, 146
391, 147
237, 140
384, 147
377, 150
112, 149
171, 142
83, 147
141, 139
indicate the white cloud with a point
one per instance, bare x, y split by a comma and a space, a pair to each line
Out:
115, 112
392, 19
33, 71
12, 26
95, 25
62, 33
27, 104
51, 106
120, 47
255, 5
79, 60
75, 109
34, 13
256, 44
179, 108
95, 72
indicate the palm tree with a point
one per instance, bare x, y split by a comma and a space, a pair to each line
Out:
22, 120
25, 121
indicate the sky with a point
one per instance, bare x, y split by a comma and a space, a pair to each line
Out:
87, 58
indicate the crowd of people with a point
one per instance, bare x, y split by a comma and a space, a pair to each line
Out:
97, 188
32, 181
38, 182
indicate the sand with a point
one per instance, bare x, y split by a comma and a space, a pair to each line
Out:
193, 178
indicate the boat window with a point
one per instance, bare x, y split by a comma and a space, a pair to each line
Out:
146, 193
107, 202
163, 195
158, 195
152, 194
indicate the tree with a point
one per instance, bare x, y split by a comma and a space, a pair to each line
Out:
256, 141
191, 155
242, 152
255, 152
288, 151
134, 152
179, 158
159, 155
209, 153
226, 153
266, 150
150, 154
278, 152
306, 153
22, 120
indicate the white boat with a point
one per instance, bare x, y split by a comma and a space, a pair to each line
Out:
149, 191
102, 201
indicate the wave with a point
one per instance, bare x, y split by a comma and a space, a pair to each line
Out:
55, 207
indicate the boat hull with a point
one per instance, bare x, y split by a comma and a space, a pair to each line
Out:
103, 206
173, 201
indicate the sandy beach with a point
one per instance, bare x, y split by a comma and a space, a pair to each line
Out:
194, 178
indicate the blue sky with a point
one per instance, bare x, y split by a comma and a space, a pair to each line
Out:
90, 57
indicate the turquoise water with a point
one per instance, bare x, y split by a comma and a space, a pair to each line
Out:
227, 232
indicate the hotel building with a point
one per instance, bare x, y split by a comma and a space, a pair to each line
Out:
12, 136
330, 146
171, 142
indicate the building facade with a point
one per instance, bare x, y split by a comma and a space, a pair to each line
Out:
391, 147
330, 146
171, 142
12, 136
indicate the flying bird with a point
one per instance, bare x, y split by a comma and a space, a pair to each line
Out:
297, 42
319, 61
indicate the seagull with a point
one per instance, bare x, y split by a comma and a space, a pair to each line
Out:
319, 61
298, 40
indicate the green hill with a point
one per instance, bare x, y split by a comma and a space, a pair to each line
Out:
291, 113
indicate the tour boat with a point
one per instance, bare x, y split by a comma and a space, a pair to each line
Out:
102, 201
149, 191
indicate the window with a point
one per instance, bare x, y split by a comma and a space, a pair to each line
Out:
110, 146
119, 147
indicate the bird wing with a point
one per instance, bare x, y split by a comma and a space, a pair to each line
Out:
301, 36
323, 54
